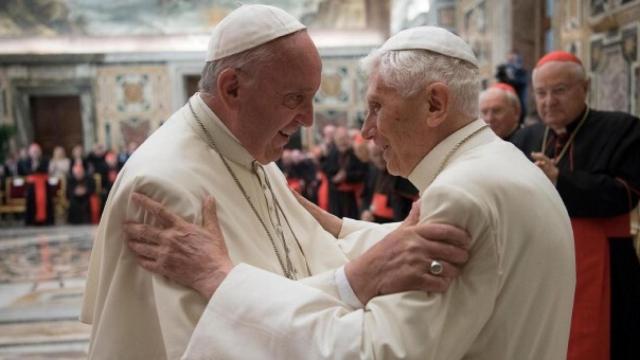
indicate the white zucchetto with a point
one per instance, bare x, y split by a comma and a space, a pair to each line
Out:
434, 39
247, 27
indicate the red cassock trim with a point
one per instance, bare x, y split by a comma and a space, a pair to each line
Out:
355, 188
94, 205
39, 182
295, 184
590, 323
323, 192
381, 207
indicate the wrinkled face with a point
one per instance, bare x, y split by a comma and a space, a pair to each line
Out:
277, 99
560, 93
396, 124
375, 155
497, 110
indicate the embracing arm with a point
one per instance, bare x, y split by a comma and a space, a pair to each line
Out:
287, 319
320, 324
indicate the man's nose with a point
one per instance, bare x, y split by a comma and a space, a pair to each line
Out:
305, 118
368, 130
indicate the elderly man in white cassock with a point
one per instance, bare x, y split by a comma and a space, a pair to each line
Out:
512, 299
257, 89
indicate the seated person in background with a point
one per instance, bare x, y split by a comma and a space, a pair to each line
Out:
80, 187
35, 169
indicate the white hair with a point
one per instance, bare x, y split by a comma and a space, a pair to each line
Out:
409, 70
512, 98
212, 69
248, 60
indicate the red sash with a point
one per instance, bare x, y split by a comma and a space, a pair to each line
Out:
295, 184
112, 175
381, 207
39, 182
355, 188
323, 192
590, 323
94, 206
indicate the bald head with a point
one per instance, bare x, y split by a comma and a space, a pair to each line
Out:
501, 110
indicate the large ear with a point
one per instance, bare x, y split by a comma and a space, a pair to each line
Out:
227, 86
438, 98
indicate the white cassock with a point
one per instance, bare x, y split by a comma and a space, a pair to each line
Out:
136, 315
513, 299
259, 314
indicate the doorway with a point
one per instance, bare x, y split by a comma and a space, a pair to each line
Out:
56, 121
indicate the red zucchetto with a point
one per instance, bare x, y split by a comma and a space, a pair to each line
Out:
558, 56
503, 86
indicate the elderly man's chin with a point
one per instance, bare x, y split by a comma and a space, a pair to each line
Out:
555, 121
392, 168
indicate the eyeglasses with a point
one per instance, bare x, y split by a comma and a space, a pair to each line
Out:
497, 112
557, 91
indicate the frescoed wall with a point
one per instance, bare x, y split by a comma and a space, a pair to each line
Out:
131, 102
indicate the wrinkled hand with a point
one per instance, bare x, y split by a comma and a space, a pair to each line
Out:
191, 255
400, 262
329, 222
547, 165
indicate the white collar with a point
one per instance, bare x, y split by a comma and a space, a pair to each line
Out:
427, 169
225, 141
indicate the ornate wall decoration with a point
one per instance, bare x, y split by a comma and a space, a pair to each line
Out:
636, 83
131, 95
598, 7
134, 130
630, 44
596, 54
336, 87
160, 17
572, 14
475, 32
133, 92
612, 61
340, 99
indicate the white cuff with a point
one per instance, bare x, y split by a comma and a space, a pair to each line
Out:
345, 291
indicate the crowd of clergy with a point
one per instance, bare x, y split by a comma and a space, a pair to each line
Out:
52, 189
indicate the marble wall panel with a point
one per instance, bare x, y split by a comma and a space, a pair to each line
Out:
614, 58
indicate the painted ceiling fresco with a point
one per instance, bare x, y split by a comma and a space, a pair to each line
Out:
22, 18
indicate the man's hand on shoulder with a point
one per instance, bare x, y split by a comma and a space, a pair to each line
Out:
191, 255
403, 259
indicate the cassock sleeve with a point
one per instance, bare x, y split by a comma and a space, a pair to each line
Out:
158, 315
611, 185
595, 195
255, 314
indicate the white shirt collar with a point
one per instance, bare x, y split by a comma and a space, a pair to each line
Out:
226, 142
427, 169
